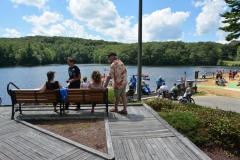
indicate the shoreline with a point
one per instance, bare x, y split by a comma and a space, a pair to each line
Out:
229, 90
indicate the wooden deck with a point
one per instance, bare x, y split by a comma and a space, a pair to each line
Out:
141, 134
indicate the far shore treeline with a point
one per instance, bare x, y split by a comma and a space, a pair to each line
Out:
42, 50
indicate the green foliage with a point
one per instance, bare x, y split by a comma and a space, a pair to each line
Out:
220, 62
203, 126
201, 93
232, 19
41, 50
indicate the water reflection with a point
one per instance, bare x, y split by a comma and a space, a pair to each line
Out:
34, 77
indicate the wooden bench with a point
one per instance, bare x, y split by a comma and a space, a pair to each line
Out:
86, 95
19, 96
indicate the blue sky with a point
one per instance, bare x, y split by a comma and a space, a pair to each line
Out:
114, 20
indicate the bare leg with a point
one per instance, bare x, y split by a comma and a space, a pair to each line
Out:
116, 102
124, 99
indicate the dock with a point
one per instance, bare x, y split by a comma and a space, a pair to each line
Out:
141, 134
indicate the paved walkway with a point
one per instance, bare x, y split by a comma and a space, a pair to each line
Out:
224, 103
141, 134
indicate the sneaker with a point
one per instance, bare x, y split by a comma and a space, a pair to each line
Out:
113, 110
122, 112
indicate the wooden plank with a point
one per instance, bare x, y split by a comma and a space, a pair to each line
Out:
18, 153
75, 154
184, 148
32, 148
88, 155
173, 148
92, 157
179, 150
122, 154
126, 149
150, 149
56, 144
144, 149
132, 149
8, 153
21, 149
161, 149
66, 155
45, 146
167, 149
138, 149
3, 156
81, 155
116, 149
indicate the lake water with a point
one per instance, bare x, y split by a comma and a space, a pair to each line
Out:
34, 77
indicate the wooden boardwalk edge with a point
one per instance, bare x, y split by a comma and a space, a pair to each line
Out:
78, 145
198, 152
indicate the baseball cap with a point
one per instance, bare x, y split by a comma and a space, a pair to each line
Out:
111, 54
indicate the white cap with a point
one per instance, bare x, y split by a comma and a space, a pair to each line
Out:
160, 76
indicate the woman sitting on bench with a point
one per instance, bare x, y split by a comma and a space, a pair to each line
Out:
50, 85
97, 83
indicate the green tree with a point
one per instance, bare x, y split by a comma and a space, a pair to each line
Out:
232, 18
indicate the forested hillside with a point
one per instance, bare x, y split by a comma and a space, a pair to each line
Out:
42, 50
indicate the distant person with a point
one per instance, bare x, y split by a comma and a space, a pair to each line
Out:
130, 92
174, 90
117, 72
144, 84
187, 92
74, 78
159, 82
84, 83
133, 82
230, 75
163, 90
51, 84
97, 83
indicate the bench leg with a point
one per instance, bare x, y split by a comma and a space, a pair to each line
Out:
61, 109
20, 108
12, 111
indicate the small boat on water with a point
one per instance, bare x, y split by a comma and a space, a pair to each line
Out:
144, 76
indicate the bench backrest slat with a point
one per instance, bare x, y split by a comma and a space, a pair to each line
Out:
34, 96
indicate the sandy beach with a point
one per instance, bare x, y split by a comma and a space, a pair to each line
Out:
229, 90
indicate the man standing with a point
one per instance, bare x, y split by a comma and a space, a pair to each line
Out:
159, 82
133, 82
74, 78
118, 73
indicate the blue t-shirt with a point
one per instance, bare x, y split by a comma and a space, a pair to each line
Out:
160, 81
133, 81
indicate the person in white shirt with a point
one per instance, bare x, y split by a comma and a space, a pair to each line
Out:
162, 90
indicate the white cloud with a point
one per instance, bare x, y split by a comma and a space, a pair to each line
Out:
221, 34
45, 19
11, 33
53, 24
36, 3
104, 18
208, 19
164, 25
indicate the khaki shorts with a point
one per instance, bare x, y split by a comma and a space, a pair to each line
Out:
119, 93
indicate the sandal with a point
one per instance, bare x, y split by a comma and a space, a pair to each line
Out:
122, 112
113, 110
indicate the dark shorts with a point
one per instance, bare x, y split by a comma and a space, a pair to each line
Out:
158, 86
